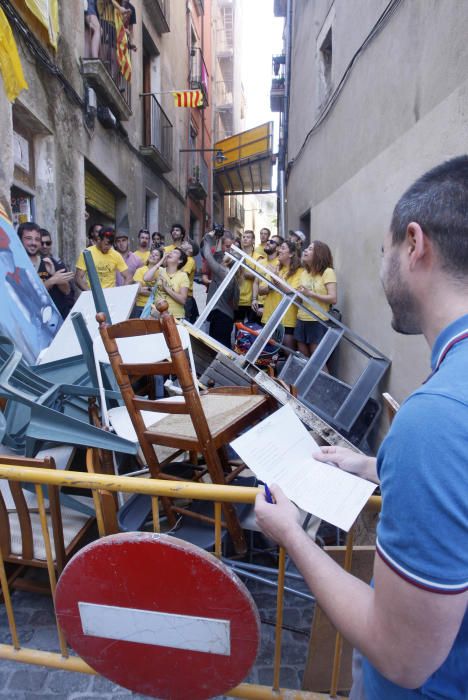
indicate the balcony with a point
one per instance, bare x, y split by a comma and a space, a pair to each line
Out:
199, 73
104, 73
278, 84
224, 98
197, 185
157, 134
158, 12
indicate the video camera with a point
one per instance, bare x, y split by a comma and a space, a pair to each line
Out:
218, 230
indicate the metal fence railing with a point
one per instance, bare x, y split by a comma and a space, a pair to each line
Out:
100, 485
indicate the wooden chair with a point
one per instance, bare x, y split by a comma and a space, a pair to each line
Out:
21, 539
200, 423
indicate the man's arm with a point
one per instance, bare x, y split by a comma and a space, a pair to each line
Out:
404, 631
59, 275
80, 280
126, 276
350, 461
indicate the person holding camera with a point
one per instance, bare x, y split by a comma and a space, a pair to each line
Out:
221, 318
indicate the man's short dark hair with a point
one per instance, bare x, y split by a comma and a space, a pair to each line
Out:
142, 230
45, 232
438, 202
91, 229
178, 226
27, 226
107, 232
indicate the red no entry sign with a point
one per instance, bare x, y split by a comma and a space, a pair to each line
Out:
158, 616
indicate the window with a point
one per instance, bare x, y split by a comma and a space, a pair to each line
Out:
325, 66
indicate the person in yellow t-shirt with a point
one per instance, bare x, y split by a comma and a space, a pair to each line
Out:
106, 260
265, 234
144, 245
290, 270
178, 236
154, 261
191, 249
270, 260
318, 282
246, 279
172, 284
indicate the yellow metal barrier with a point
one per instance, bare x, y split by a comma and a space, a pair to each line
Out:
155, 488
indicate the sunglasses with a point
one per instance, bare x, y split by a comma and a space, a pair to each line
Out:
47, 243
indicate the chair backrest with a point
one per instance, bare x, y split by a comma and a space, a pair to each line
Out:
138, 330
139, 349
15, 503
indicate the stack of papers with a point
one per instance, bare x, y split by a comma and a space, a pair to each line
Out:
279, 451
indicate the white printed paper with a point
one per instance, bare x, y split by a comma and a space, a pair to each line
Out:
279, 450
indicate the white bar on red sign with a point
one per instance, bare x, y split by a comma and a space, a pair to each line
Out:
202, 634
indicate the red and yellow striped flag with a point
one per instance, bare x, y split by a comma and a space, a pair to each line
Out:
123, 54
188, 98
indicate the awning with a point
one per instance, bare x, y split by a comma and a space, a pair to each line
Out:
248, 161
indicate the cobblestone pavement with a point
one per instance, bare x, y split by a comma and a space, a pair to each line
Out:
36, 628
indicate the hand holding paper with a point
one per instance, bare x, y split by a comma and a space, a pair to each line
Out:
279, 450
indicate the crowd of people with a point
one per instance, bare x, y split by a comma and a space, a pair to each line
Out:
98, 13
248, 299
166, 271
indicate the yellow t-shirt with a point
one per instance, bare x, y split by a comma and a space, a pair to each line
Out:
190, 268
169, 248
106, 265
259, 250
142, 255
138, 277
177, 281
246, 285
317, 284
273, 298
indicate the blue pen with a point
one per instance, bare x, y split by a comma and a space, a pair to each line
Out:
268, 496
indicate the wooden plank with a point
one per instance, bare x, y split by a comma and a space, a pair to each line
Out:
319, 664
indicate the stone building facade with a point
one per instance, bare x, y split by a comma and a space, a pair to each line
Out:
84, 141
378, 94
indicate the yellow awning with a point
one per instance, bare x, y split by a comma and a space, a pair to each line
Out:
248, 161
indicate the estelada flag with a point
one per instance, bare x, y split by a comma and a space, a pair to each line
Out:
188, 98
10, 64
123, 54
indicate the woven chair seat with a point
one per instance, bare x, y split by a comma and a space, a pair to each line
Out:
221, 412
72, 522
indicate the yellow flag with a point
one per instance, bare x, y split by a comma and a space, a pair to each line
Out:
46, 12
10, 64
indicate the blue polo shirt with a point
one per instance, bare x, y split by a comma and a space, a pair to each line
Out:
423, 529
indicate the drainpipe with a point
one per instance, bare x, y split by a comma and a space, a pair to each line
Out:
284, 123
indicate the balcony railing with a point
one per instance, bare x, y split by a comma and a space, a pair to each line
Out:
198, 176
157, 133
199, 73
278, 86
104, 73
158, 11
224, 93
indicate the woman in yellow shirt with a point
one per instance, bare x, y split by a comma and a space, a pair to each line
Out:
290, 270
172, 284
318, 282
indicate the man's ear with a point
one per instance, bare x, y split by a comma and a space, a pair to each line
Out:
417, 244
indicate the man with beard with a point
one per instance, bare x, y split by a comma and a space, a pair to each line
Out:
177, 235
144, 247
53, 273
132, 260
411, 624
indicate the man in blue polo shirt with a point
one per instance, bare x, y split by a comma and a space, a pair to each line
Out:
411, 625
